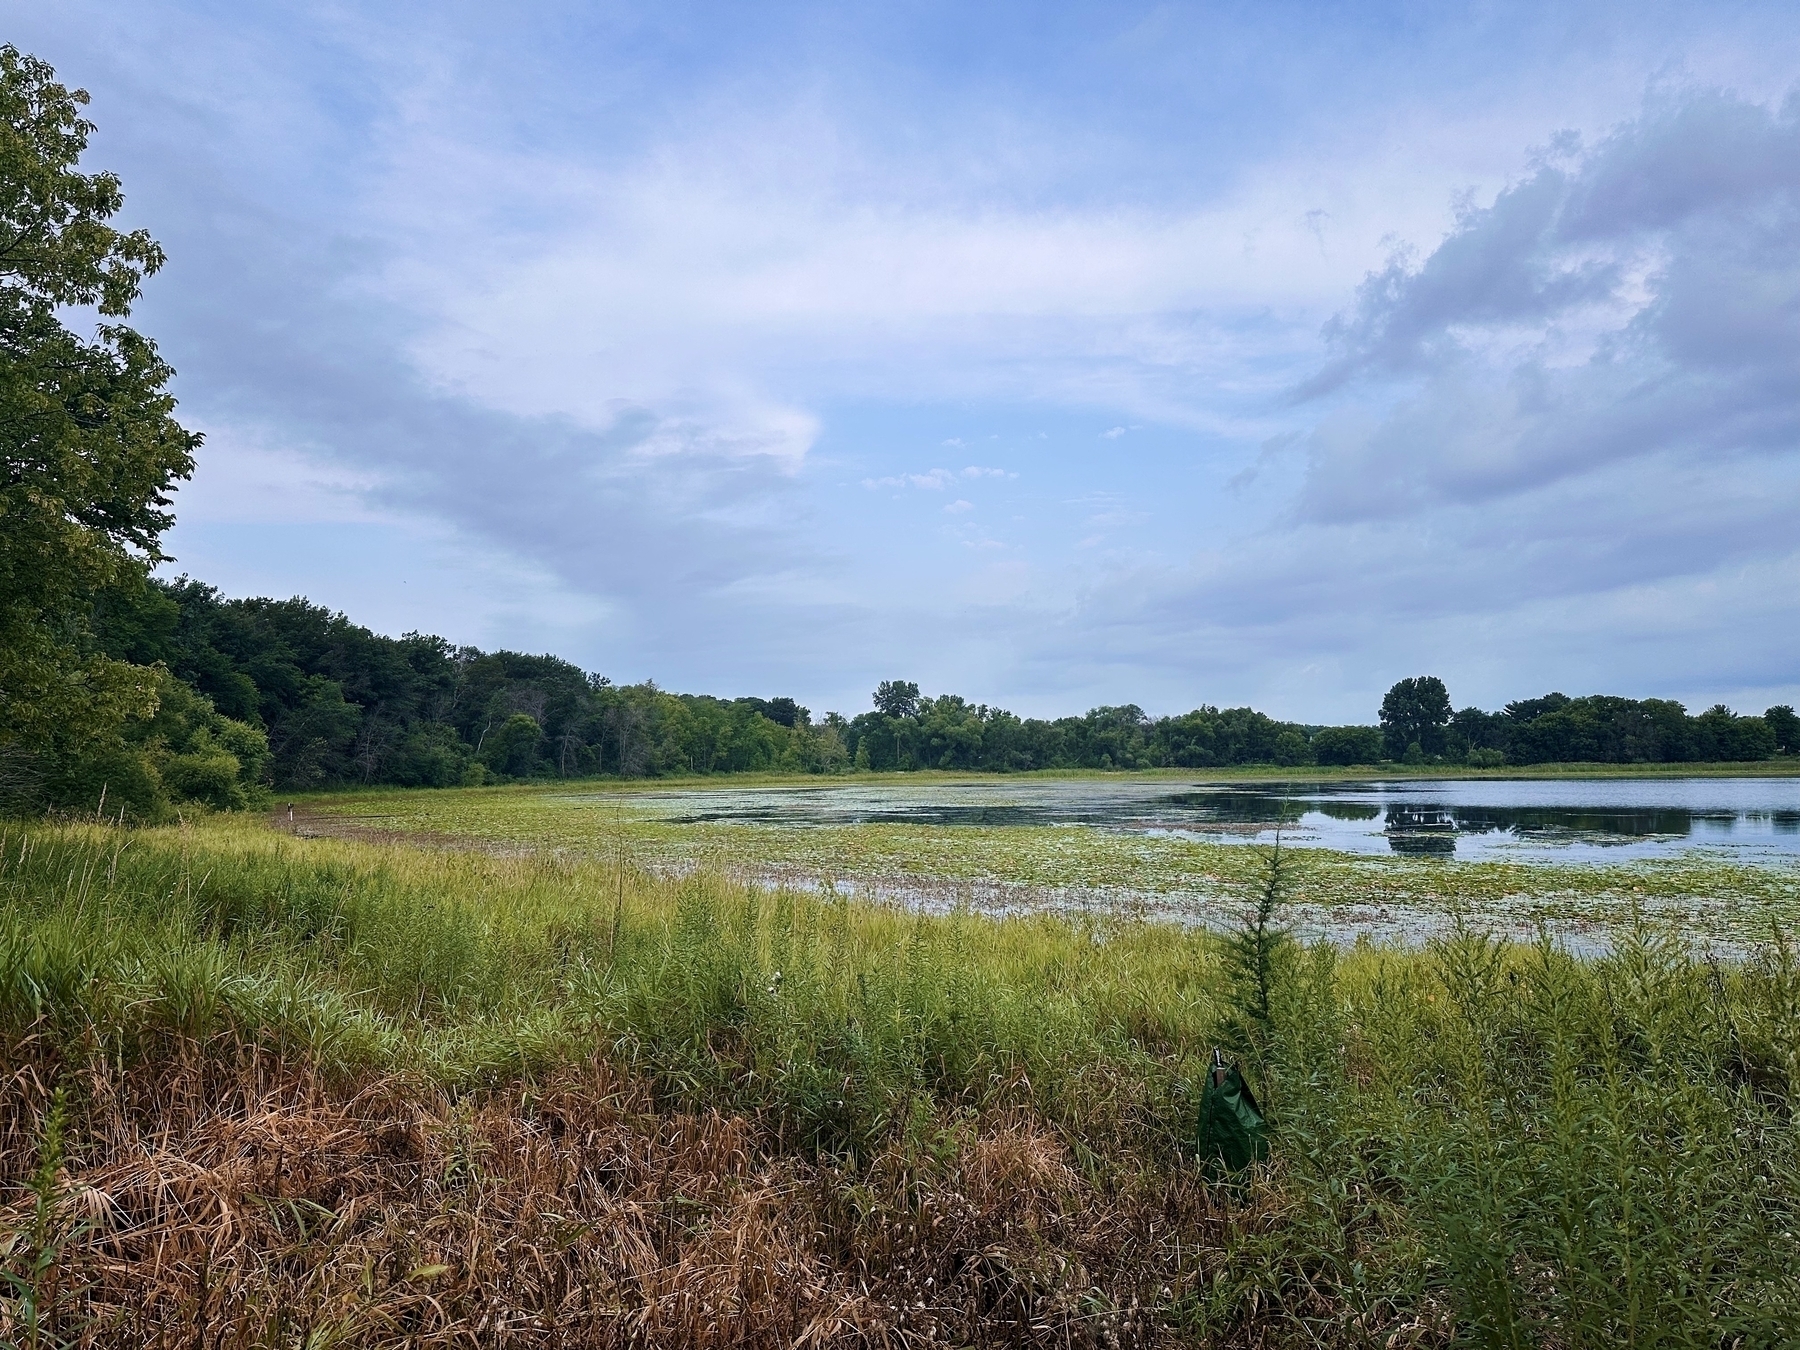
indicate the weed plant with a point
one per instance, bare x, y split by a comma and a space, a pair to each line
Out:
1476, 1143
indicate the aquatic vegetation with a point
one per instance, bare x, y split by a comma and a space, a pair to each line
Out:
1075, 869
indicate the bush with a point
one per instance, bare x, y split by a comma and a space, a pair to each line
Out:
184, 752
199, 754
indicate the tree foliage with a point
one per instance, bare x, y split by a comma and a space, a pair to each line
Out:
1349, 745
1603, 728
1415, 712
897, 698
342, 705
1784, 726
950, 732
89, 449
1596, 729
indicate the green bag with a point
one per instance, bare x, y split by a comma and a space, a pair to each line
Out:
1232, 1131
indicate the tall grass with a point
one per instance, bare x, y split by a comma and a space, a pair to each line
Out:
1481, 1143
461, 966
1584, 1153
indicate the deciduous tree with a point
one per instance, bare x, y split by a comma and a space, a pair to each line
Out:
89, 445
897, 698
1415, 712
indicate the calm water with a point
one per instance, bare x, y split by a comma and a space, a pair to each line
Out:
1749, 819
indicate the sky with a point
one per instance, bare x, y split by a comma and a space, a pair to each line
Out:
1052, 355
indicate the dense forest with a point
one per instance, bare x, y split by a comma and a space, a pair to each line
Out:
341, 705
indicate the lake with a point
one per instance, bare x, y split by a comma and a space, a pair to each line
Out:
1748, 820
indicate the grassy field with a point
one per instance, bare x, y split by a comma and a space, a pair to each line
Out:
267, 1090
1073, 870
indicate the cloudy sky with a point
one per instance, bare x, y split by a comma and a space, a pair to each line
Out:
1055, 355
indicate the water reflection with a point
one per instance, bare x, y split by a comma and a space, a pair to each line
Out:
1349, 811
1255, 807
1414, 824
1624, 824
1569, 819
1437, 845
1420, 828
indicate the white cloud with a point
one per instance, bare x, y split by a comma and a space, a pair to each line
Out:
934, 480
1514, 515
696, 275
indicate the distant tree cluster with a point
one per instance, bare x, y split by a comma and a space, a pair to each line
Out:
308, 699
1602, 728
341, 705
907, 730
1418, 726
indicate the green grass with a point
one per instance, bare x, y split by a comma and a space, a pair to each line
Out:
461, 965
1074, 869
1497, 1143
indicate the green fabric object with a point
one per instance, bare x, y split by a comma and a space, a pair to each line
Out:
1232, 1131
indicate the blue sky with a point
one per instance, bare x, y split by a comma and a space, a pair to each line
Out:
1052, 355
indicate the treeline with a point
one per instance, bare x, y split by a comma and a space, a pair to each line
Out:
1418, 726
907, 730
1604, 729
340, 705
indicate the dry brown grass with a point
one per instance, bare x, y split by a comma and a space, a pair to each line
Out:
223, 1198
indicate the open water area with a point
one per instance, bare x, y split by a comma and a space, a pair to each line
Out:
1749, 821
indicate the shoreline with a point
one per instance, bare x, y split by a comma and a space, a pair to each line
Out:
1786, 767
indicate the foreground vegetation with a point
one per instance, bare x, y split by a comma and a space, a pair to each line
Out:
265, 1090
